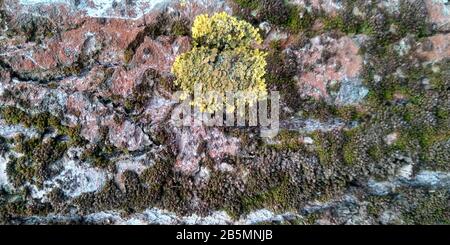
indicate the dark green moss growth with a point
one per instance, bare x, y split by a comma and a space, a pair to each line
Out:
278, 12
323, 111
299, 19
42, 121
48, 152
277, 197
13, 115
180, 28
221, 193
375, 152
349, 153
14, 209
430, 209
26, 146
347, 23
128, 55
73, 133
281, 68
328, 147
57, 196
412, 18
349, 149
275, 11
377, 204
134, 198
154, 177
166, 189
99, 155
442, 113
10, 210
3, 145
72, 69
19, 171
401, 144
288, 140
35, 165
251, 4
178, 193
351, 113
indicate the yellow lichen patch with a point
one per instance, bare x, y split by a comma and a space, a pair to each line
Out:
222, 61
224, 31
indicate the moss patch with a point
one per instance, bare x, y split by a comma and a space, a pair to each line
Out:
35, 164
42, 122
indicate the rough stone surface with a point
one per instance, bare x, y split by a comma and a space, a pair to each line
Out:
89, 132
325, 60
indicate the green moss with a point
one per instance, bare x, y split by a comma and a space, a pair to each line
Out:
155, 176
135, 197
320, 110
26, 146
413, 18
35, 164
328, 147
57, 196
401, 144
348, 24
278, 12
19, 171
288, 140
99, 155
298, 19
41, 121
221, 194
377, 204
427, 135
271, 188
375, 152
73, 133
350, 113
275, 11
48, 152
281, 69
180, 28
4, 147
157, 186
334, 23
251, 4
9, 210
442, 113
408, 115
421, 138
323, 155
338, 147
349, 149
13, 115
349, 154
275, 198
430, 209
178, 193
